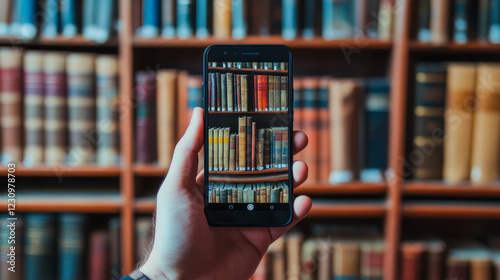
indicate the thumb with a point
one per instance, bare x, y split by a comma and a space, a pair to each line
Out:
184, 166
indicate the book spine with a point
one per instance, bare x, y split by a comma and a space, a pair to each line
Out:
284, 93
71, 246
39, 247
337, 19
105, 18
5, 247
310, 118
485, 141
309, 14
244, 93
232, 152
277, 147
284, 148
242, 121
323, 132
424, 22
238, 93
429, 120
168, 18
494, 30
184, 25
260, 92
201, 19
344, 122
216, 149
223, 90
166, 113
88, 19
411, 263
150, 18
10, 104
272, 155
271, 93
230, 93
54, 79
5, 17
249, 144
293, 249
144, 231
226, 148
219, 92
460, 88
221, 149
222, 18
255, 93
108, 152
211, 149
461, 22
239, 30
386, 18
297, 111
260, 17
483, 20
69, 18
114, 245
260, 149
254, 127
439, 21
276, 81
145, 134
457, 269
51, 19
213, 92
289, 17
25, 26
267, 149
33, 108
237, 152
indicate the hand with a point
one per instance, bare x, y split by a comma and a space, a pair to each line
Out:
185, 246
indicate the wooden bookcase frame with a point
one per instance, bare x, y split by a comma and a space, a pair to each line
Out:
401, 49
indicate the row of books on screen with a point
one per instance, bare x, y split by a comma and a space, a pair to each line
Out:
347, 125
456, 113
59, 246
248, 150
457, 259
251, 65
329, 252
95, 19
234, 92
290, 18
471, 20
268, 192
65, 104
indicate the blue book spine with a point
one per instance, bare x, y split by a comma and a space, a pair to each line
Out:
71, 246
460, 22
239, 22
289, 19
150, 18
308, 31
51, 21
89, 18
184, 26
105, 18
495, 21
27, 14
69, 18
337, 19
201, 18
39, 247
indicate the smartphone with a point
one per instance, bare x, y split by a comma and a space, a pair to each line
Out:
248, 129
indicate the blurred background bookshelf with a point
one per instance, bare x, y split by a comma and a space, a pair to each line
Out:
387, 50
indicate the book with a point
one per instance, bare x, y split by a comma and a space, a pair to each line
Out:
216, 149
143, 237
98, 258
150, 19
310, 119
89, 18
461, 24
439, 21
221, 149
344, 126
494, 22
80, 69
249, 140
105, 21
297, 110
6, 272
309, 18
114, 247
483, 20
145, 125
458, 116
39, 246
168, 18
308, 261
211, 149
375, 123
289, 17
260, 17
184, 25
293, 248
51, 19
337, 19
346, 260
242, 138
372, 259
54, 79
70, 18
108, 110
424, 21
5, 16
222, 18
276, 253
426, 157
239, 29
165, 116
11, 106
23, 22
201, 18
71, 246
411, 260
386, 18
457, 268
435, 250
33, 108
485, 141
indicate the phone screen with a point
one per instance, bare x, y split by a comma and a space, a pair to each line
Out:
248, 135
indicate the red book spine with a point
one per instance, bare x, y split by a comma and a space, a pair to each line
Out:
260, 93
98, 255
323, 130
145, 120
265, 93
255, 93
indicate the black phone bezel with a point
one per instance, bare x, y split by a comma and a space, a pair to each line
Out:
259, 53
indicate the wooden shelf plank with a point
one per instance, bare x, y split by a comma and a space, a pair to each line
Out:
64, 171
265, 171
150, 170
67, 202
347, 210
350, 188
449, 210
77, 41
466, 47
249, 179
248, 70
314, 43
442, 189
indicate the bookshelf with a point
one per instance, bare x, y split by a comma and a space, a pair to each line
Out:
135, 52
